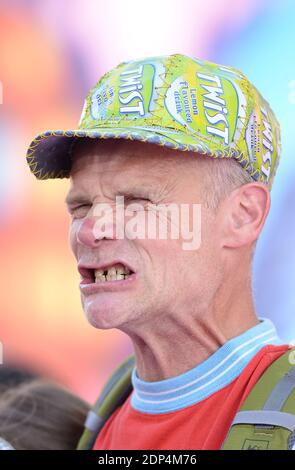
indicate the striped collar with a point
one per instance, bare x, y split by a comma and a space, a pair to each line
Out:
220, 369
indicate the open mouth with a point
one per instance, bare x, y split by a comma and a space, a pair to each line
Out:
110, 273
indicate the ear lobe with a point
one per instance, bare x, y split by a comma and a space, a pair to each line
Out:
246, 209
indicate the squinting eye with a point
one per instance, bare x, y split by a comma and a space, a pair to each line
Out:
142, 206
136, 199
139, 201
79, 211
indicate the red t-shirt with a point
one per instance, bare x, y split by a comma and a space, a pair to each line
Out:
201, 426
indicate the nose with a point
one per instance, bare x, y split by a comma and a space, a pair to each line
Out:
85, 233
90, 232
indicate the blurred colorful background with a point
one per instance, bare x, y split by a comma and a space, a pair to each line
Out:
51, 53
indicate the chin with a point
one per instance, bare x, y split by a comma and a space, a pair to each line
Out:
104, 315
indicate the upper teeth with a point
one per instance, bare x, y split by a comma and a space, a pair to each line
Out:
111, 273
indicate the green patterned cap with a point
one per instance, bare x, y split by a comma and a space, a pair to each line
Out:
176, 101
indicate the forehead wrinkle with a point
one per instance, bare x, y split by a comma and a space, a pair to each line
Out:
133, 179
118, 171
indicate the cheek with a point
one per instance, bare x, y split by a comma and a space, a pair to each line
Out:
73, 236
169, 260
180, 274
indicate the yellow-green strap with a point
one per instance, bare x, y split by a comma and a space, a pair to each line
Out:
258, 424
113, 395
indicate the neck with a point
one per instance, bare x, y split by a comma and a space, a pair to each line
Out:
175, 342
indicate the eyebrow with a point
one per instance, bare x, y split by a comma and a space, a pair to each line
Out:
75, 198
140, 187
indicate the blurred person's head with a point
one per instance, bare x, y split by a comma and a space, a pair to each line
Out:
13, 375
40, 415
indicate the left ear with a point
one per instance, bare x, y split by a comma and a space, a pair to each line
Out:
244, 213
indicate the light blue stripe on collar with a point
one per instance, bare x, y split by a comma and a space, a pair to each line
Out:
220, 369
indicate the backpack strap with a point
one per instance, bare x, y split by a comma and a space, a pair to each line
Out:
266, 420
114, 393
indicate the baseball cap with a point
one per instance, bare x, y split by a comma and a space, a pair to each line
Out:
177, 101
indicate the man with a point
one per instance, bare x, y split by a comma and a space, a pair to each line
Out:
178, 132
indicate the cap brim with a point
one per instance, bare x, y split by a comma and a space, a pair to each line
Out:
49, 154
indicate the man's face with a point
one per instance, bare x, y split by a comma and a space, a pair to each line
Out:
164, 278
